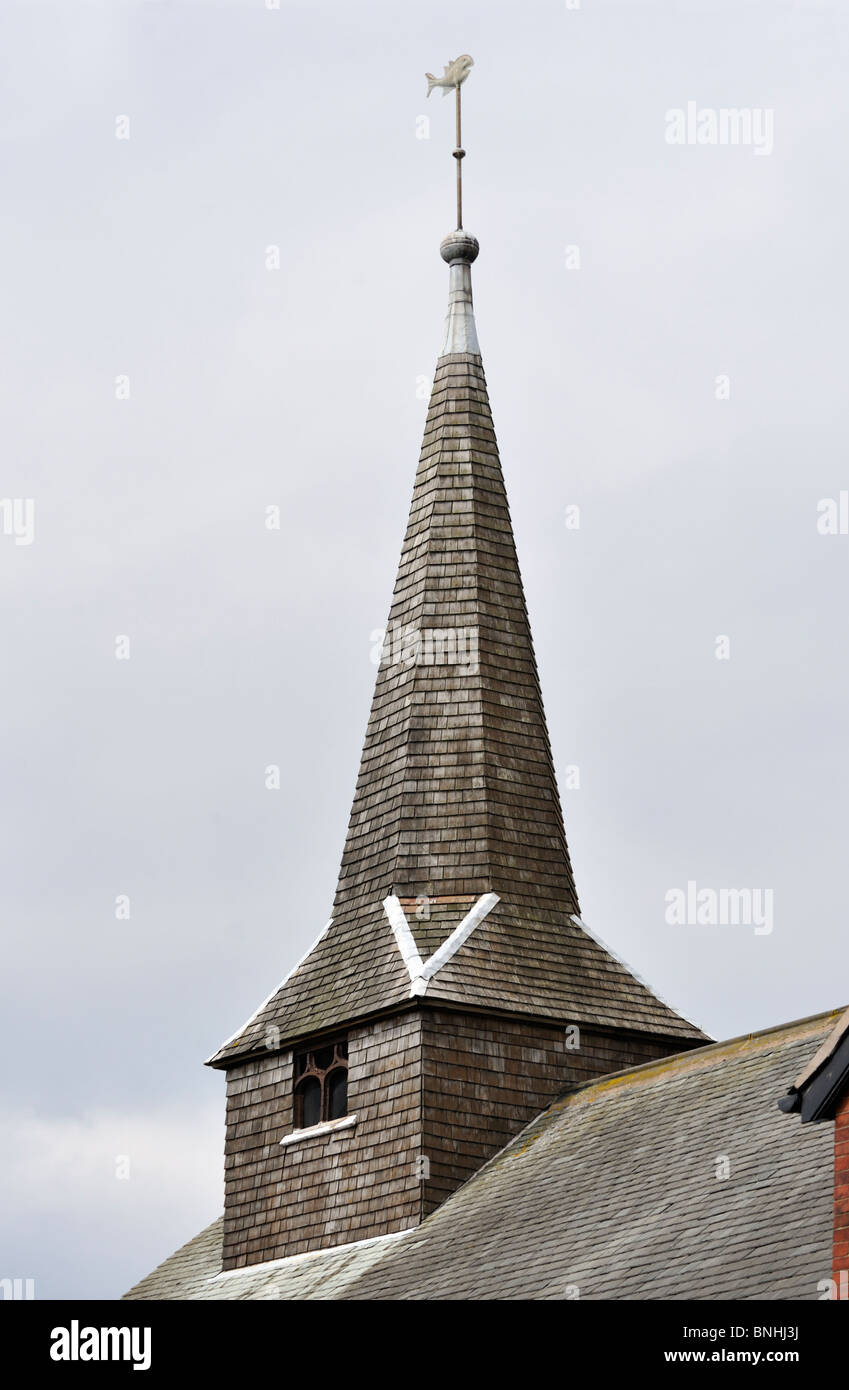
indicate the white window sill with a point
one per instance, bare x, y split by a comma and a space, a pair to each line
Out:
300, 1136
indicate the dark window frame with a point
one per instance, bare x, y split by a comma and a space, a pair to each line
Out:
322, 1061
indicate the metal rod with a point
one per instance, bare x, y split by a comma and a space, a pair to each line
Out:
458, 154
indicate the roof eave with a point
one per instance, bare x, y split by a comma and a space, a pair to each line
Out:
222, 1061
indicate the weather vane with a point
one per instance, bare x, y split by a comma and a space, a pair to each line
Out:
456, 72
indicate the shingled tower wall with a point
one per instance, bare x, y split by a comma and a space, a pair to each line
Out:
456, 811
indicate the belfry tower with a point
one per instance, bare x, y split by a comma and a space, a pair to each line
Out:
454, 990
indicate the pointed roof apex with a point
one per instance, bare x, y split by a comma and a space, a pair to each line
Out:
459, 249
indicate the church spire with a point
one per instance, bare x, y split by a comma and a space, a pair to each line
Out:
456, 885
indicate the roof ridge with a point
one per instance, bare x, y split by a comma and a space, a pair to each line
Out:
692, 1054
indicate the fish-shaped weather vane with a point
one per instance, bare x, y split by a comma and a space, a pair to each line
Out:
456, 72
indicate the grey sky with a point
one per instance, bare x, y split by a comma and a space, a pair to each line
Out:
296, 128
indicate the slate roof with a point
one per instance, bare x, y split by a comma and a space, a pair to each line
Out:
612, 1192
456, 795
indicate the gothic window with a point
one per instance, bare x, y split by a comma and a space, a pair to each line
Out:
321, 1083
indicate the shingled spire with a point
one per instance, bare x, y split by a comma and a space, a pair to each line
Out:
456, 809
454, 990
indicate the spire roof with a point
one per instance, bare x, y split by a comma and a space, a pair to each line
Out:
456, 800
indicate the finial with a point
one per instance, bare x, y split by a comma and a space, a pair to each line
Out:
456, 72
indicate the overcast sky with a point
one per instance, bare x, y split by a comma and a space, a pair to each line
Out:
146, 258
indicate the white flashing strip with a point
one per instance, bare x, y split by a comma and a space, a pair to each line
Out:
403, 936
452, 944
421, 972
286, 978
306, 1255
299, 1136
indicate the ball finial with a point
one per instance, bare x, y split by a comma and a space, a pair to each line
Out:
459, 246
